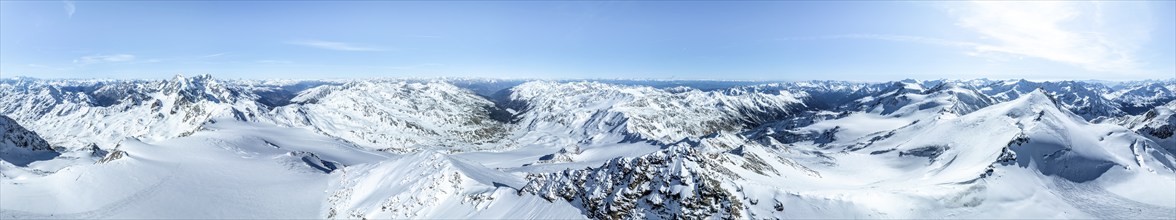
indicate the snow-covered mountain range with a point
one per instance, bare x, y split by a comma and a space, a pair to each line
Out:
202, 147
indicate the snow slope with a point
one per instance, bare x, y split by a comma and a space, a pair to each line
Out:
589, 109
20, 147
199, 147
76, 115
433, 185
1088, 100
394, 115
1159, 124
236, 171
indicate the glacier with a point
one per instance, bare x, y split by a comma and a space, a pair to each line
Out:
203, 147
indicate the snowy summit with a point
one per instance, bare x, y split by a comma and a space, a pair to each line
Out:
961, 109
201, 147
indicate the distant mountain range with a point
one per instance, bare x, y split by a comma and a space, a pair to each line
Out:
201, 147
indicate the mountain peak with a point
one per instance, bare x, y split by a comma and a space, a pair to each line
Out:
196, 86
1037, 99
1037, 104
180, 78
1039, 95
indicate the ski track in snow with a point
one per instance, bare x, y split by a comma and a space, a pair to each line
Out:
102, 212
1100, 203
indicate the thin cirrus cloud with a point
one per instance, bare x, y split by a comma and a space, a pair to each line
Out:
114, 58
332, 45
275, 62
213, 55
70, 8
1074, 33
899, 38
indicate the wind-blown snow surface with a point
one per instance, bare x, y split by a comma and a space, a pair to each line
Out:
200, 147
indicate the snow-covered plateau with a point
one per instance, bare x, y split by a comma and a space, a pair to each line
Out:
206, 148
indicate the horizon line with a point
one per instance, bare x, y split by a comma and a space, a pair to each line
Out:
669, 79
549, 79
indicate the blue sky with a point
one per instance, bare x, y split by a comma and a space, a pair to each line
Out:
798, 40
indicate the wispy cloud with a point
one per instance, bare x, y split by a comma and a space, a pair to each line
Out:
331, 45
892, 37
1082, 34
105, 58
275, 61
149, 61
1069, 32
213, 55
70, 8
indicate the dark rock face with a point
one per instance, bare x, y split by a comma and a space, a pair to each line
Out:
20, 146
15, 135
1162, 132
645, 187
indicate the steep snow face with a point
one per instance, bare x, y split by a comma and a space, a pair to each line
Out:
19, 146
76, 115
1138, 97
395, 115
1159, 124
1085, 99
231, 170
1059, 143
995, 158
429, 149
1035, 128
902, 99
989, 159
1087, 165
588, 109
432, 185
12, 135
